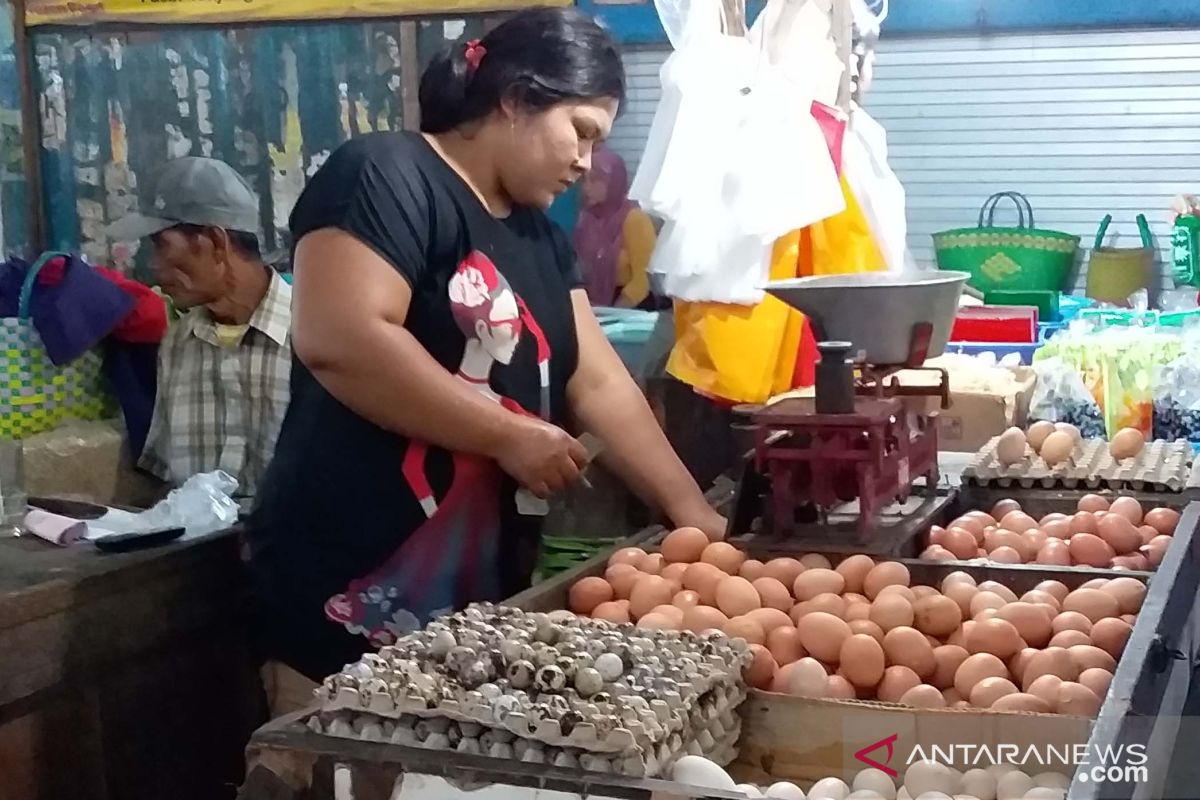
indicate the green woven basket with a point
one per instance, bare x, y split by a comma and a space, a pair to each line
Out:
1024, 257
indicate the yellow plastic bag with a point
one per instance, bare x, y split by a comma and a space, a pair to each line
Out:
747, 354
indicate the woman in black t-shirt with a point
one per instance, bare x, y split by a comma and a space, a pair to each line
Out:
443, 346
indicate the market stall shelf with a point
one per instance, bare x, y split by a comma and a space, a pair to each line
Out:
1162, 467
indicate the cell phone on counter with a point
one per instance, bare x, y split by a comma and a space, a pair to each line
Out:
125, 542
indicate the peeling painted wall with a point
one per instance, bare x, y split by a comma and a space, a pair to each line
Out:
272, 100
14, 212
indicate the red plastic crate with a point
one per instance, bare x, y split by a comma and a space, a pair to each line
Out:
996, 324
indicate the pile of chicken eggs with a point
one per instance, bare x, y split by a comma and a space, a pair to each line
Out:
923, 780
862, 631
1116, 535
1056, 443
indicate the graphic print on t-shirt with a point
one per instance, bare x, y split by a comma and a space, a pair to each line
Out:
450, 559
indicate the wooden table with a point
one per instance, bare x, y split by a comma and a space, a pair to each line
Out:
124, 675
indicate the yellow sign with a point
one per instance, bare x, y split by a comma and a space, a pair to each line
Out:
175, 12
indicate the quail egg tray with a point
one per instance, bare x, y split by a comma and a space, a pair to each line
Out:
556, 679
716, 742
1167, 467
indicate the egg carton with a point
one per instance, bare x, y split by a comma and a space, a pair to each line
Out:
589, 684
717, 742
1167, 467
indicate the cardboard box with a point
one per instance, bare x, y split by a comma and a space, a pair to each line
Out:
975, 417
786, 738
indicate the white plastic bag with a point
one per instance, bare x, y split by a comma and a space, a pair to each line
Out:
879, 192
203, 504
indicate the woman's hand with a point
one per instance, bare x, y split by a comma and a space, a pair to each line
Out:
541, 457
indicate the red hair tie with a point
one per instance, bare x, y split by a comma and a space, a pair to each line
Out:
474, 54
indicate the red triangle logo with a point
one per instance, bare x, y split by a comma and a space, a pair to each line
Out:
889, 743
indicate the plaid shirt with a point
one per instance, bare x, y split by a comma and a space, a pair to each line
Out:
221, 408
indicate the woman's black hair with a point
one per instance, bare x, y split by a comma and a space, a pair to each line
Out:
536, 58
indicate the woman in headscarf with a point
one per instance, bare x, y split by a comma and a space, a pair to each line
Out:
613, 237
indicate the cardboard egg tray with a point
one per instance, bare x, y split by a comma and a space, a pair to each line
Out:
690, 704
717, 741
1167, 467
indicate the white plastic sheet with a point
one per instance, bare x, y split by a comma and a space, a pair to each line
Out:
203, 504
877, 189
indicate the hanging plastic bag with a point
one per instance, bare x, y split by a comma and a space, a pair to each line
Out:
840, 244
1061, 396
879, 191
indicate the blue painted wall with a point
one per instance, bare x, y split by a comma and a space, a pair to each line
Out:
14, 212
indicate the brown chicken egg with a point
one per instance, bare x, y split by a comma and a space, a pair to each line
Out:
1017, 522
1147, 533
703, 579
784, 644
936, 552
704, 618
1020, 701
1156, 550
1006, 538
1070, 430
1006, 555
999, 589
751, 569
863, 660
1017, 664
1038, 597
737, 596
657, 622
1058, 529
1055, 588
815, 561
1088, 656
1083, 522
904, 591
854, 571
684, 545
685, 599
908, 647
1095, 604
648, 592
856, 611
675, 572
724, 557
989, 690
1071, 621
1129, 508
588, 593
1003, 508
839, 688
895, 683
760, 673
1037, 433
1163, 520
1090, 550
745, 628
1031, 622
1069, 639
822, 635
1120, 533
628, 555
976, 526
962, 594
888, 573
813, 582
1129, 593
960, 542
1098, 680
974, 669
1091, 503
1111, 636
1054, 661
622, 578
1126, 443
923, 696
995, 636
612, 611
828, 602
984, 600
1045, 687
1077, 700
784, 570
773, 594
891, 611
770, 619
1058, 448
953, 698
673, 613
1010, 447
948, 658
865, 626
937, 615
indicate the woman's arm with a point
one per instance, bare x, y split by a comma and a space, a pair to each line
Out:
639, 238
348, 312
608, 404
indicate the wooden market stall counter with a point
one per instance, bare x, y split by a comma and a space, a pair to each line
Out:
124, 675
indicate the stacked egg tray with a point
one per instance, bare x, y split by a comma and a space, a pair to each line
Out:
545, 688
1162, 466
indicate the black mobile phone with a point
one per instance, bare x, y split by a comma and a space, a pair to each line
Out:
124, 542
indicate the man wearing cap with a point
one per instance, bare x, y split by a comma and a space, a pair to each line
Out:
224, 368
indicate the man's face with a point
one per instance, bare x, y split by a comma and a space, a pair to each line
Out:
188, 268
